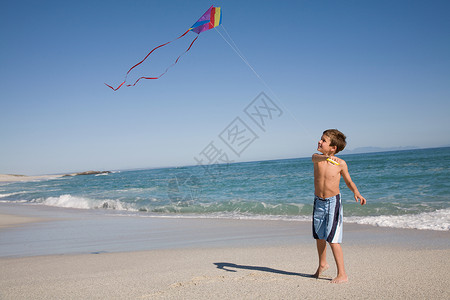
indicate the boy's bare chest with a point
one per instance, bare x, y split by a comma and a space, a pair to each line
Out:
326, 171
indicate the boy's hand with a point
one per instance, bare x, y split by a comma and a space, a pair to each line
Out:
360, 198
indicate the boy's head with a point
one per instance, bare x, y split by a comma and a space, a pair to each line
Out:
337, 139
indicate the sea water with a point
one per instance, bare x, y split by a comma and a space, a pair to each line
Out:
404, 189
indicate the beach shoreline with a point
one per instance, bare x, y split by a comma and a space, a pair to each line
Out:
178, 258
15, 178
23, 178
8, 220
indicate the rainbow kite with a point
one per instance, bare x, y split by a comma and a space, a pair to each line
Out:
210, 19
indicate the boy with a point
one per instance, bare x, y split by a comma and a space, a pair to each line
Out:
327, 215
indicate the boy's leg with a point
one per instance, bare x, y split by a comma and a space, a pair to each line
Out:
322, 251
339, 258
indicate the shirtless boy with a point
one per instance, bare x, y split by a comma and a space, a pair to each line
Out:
327, 215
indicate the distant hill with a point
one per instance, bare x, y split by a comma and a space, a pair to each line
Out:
378, 149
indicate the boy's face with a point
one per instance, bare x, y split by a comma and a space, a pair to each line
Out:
324, 146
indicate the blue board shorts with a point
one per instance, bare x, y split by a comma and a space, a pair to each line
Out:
327, 219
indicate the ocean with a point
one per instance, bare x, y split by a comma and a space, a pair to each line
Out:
404, 189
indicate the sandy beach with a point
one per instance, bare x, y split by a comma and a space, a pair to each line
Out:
164, 258
12, 177
230, 273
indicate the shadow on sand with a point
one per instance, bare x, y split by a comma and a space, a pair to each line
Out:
226, 266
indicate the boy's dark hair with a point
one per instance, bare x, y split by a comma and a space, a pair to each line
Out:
337, 139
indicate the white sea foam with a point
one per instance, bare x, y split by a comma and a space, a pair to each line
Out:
69, 201
137, 190
221, 215
11, 194
437, 220
15, 201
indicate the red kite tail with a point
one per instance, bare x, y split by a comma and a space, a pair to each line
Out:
115, 89
178, 58
155, 49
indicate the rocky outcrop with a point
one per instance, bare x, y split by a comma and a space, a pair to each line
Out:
88, 173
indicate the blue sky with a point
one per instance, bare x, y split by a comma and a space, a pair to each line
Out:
377, 70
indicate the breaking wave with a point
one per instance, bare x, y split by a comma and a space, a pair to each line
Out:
436, 220
69, 201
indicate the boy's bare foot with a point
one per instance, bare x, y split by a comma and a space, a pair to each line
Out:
320, 270
340, 279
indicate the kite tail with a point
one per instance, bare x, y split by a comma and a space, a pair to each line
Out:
167, 67
155, 49
115, 89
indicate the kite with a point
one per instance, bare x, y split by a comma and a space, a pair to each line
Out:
210, 19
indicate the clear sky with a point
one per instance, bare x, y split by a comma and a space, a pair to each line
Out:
377, 70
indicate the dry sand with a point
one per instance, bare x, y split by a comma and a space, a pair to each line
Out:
382, 270
261, 272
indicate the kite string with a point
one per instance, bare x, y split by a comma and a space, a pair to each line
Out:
244, 59
238, 52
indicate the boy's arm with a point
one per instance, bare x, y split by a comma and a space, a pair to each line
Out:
350, 184
318, 157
